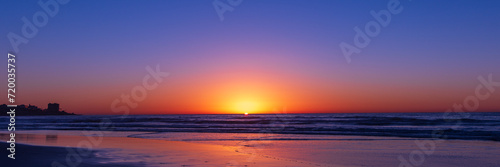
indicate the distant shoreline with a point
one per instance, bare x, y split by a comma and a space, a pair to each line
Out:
31, 110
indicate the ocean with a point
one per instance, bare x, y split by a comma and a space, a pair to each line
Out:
470, 126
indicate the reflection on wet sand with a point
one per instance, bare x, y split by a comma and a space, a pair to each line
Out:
216, 149
148, 152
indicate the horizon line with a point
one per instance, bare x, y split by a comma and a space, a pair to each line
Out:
306, 113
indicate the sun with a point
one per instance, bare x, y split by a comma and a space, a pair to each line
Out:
247, 107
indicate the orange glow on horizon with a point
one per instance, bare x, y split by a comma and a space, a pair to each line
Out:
254, 92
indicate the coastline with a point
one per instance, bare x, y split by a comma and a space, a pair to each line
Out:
145, 152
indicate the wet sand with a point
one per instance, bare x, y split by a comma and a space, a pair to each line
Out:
110, 151
30, 155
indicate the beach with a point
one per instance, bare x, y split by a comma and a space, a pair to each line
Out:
106, 148
111, 151
33, 155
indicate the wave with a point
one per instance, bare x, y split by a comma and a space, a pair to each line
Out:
477, 126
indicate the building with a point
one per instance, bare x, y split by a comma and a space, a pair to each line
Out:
53, 107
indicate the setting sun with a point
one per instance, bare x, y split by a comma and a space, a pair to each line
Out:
247, 107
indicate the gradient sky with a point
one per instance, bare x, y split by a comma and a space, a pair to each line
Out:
266, 55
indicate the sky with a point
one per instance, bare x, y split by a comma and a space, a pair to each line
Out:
265, 56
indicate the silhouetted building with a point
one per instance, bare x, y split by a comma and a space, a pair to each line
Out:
33, 108
53, 107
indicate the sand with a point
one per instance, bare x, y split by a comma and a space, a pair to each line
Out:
135, 152
116, 149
